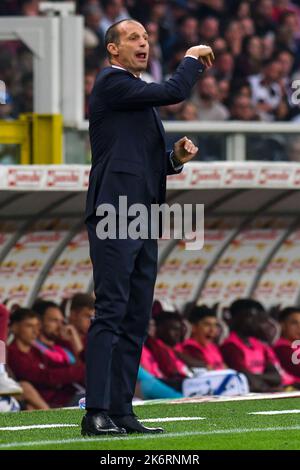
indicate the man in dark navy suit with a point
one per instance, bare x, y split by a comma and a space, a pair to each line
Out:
128, 159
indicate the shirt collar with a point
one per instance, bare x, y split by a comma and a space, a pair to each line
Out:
122, 68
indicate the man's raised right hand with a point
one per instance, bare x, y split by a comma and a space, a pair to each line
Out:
203, 53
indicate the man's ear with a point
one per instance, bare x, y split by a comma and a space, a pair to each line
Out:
113, 49
14, 328
193, 328
72, 314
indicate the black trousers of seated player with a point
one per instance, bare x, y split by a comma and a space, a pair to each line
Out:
124, 276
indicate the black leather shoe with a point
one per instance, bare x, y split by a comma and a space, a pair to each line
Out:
131, 424
99, 424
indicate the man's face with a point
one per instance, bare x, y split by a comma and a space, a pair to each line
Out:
286, 63
93, 19
208, 88
209, 29
219, 45
291, 327
115, 8
52, 323
132, 51
27, 330
81, 319
254, 322
205, 331
292, 23
224, 89
189, 29
170, 332
243, 109
159, 9
225, 63
153, 33
255, 48
189, 112
265, 8
273, 71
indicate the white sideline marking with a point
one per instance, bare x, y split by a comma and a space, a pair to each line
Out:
59, 425
210, 399
166, 420
281, 412
37, 426
146, 436
217, 399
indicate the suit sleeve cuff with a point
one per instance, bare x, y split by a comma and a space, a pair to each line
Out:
192, 56
201, 67
176, 166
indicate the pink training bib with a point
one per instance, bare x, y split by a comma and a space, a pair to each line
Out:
209, 354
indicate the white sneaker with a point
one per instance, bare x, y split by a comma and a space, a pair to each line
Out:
9, 386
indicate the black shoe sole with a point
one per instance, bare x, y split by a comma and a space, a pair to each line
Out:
85, 433
143, 432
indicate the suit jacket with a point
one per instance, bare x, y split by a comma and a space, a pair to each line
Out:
127, 137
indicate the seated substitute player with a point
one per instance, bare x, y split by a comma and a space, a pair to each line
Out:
52, 379
57, 339
201, 345
7, 385
171, 330
287, 347
82, 310
244, 352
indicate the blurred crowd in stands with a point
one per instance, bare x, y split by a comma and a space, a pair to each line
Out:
256, 44
46, 343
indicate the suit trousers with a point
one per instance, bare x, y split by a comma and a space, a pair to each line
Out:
124, 272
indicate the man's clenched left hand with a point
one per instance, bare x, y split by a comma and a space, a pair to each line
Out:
184, 150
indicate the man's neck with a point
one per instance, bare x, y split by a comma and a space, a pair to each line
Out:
198, 340
285, 337
117, 64
244, 337
23, 347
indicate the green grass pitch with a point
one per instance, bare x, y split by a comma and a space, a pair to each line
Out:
227, 425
